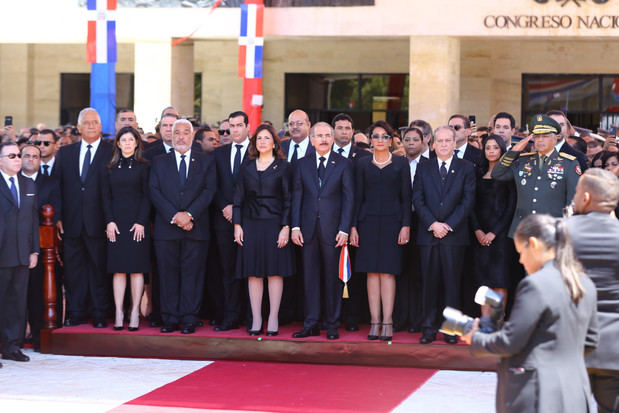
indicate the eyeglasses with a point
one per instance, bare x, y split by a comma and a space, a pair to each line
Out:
384, 137
297, 123
224, 131
39, 143
12, 155
458, 127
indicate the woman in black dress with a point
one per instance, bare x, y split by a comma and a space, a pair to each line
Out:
495, 203
381, 225
126, 207
261, 215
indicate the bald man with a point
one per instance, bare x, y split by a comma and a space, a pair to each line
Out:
299, 144
595, 236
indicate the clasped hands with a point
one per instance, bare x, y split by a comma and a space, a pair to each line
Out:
440, 229
483, 238
183, 220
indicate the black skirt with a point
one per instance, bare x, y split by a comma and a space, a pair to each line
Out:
259, 256
379, 251
126, 255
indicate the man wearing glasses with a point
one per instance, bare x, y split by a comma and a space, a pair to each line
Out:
46, 142
299, 144
19, 248
463, 150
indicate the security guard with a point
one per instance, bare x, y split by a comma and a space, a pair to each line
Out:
545, 179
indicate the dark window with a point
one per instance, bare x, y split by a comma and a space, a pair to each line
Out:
590, 101
365, 97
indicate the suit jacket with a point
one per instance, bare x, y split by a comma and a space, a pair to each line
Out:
449, 202
48, 192
19, 227
80, 204
225, 183
542, 366
156, 148
333, 201
580, 157
595, 237
194, 197
286, 147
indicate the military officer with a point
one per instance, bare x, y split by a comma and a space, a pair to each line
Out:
545, 179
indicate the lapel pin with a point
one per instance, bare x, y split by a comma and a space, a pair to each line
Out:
453, 172
193, 160
333, 162
275, 167
354, 154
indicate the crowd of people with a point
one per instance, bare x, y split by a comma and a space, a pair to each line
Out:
207, 216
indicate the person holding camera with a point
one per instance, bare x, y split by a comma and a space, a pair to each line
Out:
542, 367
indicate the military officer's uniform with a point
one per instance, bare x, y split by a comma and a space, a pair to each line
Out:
544, 184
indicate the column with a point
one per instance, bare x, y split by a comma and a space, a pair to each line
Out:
182, 78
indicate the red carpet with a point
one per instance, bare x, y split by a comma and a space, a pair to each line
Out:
275, 387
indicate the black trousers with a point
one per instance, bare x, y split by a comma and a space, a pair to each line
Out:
407, 307
605, 387
441, 266
85, 278
232, 287
181, 278
320, 267
355, 309
293, 297
13, 293
213, 305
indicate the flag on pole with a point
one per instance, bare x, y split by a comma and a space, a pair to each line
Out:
251, 40
101, 43
345, 272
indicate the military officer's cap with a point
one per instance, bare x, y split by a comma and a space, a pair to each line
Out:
542, 124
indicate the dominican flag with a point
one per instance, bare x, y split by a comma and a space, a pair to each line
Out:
251, 39
101, 43
345, 269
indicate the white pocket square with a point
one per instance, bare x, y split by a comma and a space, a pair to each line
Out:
30, 194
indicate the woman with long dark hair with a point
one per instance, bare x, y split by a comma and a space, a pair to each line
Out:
553, 322
261, 218
495, 204
126, 208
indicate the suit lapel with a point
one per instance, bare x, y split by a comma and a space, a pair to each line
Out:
76, 158
312, 170
331, 164
193, 167
434, 173
4, 188
451, 174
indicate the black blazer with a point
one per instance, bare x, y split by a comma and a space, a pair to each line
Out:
19, 227
263, 195
156, 148
450, 202
194, 197
225, 183
80, 204
286, 147
333, 201
48, 192
580, 157
501, 207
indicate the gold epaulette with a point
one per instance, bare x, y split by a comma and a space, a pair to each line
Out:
567, 156
528, 153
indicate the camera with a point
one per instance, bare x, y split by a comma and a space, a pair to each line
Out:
459, 324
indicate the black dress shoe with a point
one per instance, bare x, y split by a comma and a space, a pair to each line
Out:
188, 329
272, 333
332, 334
306, 332
427, 338
352, 327
226, 327
133, 329
449, 339
17, 355
71, 322
99, 323
255, 332
168, 328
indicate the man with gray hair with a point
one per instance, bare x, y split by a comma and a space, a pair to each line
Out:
81, 224
595, 237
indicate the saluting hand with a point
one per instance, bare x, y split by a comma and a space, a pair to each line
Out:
520, 146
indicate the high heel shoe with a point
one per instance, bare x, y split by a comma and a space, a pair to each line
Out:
131, 328
272, 333
387, 327
255, 332
120, 327
373, 330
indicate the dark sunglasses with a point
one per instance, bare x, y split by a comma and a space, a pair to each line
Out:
12, 155
384, 137
39, 143
458, 127
224, 131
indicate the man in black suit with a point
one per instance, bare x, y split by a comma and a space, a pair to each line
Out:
426, 128
46, 141
163, 145
299, 144
355, 307
19, 248
462, 127
504, 126
228, 160
595, 236
81, 224
182, 185
443, 196
407, 309
562, 144
47, 193
322, 208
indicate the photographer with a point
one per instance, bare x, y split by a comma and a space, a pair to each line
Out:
542, 366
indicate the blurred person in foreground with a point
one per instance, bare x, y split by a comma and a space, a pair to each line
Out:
553, 321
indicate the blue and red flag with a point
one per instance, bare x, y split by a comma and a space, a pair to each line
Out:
251, 42
344, 267
101, 43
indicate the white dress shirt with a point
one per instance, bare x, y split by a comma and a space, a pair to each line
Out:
326, 155
461, 151
50, 163
301, 150
346, 152
447, 163
426, 153
187, 154
84, 149
33, 176
166, 146
243, 149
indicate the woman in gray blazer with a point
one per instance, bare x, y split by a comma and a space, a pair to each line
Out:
553, 321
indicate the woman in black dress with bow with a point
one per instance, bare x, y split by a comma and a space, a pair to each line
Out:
126, 208
381, 225
495, 204
261, 216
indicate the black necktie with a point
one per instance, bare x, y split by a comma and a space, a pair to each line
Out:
14, 191
171, 150
321, 170
46, 170
443, 170
237, 160
542, 162
341, 151
182, 171
295, 155
456, 152
86, 163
